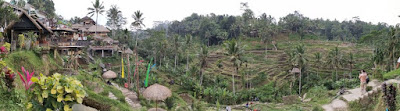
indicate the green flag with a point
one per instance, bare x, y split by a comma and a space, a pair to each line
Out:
147, 74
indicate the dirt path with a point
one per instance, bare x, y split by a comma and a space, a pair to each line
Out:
353, 95
130, 96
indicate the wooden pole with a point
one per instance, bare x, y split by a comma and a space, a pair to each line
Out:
137, 74
129, 73
300, 83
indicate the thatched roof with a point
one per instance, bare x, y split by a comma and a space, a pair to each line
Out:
87, 18
41, 27
295, 70
76, 26
128, 51
100, 28
109, 75
157, 92
108, 40
158, 109
81, 27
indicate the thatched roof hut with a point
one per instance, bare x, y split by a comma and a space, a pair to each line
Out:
108, 40
295, 70
109, 75
128, 51
100, 28
157, 92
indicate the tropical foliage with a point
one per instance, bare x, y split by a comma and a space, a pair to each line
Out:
56, 92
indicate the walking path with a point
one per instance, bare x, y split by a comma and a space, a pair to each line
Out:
355, 94
130, 97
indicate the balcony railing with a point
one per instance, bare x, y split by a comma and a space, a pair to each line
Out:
74, 43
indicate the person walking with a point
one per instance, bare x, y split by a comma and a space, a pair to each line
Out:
363, 81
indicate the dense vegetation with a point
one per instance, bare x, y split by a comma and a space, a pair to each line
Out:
210, 61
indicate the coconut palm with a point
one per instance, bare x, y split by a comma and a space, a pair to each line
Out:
392, 44
351, 63
234, 51
115, 18
176, 48
299, 60
203, 61
19, 3
7, 14
38, 4
188, 39
318, 58
335, 59
97, 8
138, 23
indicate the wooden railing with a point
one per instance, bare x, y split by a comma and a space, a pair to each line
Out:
74, 43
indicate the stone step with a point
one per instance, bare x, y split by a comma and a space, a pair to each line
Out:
112, 96
130, 97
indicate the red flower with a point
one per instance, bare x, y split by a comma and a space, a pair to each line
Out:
3, 49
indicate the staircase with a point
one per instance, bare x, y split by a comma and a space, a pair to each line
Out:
89, 57
130, 97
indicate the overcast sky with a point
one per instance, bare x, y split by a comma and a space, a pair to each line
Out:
161, 10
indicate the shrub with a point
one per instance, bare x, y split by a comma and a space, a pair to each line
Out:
170, 102
56, 92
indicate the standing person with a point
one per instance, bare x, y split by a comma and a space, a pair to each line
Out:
398, 63
228, 108
363, 81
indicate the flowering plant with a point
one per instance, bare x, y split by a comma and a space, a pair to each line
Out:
27, 81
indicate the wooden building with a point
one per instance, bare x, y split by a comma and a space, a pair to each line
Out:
87, 27
26, 23
67, 41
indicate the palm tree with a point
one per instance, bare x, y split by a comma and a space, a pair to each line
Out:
38, 4
351, 63
318, 58
126, 34
299, 61
7, 14
115, 18
203, 61
98, 8
138, 23
392, 44
176, 48
234, 51
19, 3
378, 59
335, 59
188, 43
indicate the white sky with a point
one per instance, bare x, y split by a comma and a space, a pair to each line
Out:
160, 10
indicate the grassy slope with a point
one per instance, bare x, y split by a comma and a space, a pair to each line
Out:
33, 62
102, 97
392, 74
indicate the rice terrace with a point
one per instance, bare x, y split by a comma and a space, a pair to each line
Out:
199, 55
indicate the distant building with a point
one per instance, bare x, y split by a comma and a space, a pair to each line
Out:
87, 27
